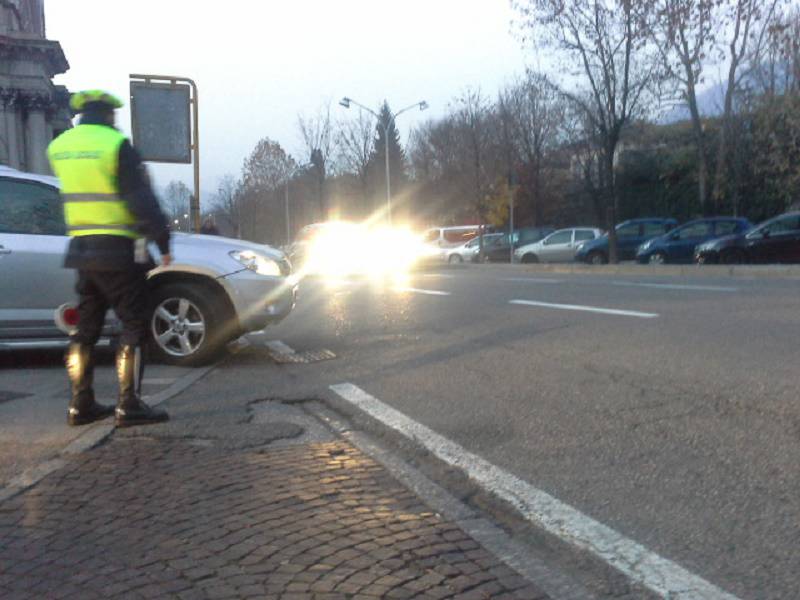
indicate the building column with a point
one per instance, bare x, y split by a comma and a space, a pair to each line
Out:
12, 137
36, 145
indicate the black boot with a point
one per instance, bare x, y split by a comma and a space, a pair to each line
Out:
130, 409
80, 369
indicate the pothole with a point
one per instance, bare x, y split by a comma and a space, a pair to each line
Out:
274, 412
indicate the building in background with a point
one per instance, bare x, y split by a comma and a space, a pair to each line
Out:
32, 110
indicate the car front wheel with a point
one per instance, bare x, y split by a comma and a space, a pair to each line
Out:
530, 258
455, 259
184, 329
658, 258
597, 258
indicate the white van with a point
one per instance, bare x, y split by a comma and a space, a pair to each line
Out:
450, 237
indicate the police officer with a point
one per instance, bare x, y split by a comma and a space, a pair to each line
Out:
110, 212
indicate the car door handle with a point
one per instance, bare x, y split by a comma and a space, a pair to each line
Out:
4, 250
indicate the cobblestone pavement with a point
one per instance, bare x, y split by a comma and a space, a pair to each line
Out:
155, 518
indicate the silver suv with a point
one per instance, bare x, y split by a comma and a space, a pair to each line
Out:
215, 290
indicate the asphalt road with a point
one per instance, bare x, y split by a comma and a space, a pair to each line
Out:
679, 427
675, 421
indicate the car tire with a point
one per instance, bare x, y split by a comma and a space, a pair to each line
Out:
597, 258
529, 258
732, 257
184, 328
455, 259
658, 258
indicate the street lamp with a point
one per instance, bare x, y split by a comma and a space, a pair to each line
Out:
286, 199
346, 102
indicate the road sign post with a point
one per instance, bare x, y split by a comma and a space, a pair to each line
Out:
165, 125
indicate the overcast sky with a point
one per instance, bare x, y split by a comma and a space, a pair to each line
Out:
260, 63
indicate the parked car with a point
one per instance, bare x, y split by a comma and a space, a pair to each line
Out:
559, 246
630, 235
449, 237
215, 290
469, 252
774, 241
678, 245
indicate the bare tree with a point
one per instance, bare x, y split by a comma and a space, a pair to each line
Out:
532, 112
226, 201
684, 32
176, 200
261, 200
749, 22
356, 141
608, 39
319, 140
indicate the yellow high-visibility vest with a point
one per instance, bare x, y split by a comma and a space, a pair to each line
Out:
85, 159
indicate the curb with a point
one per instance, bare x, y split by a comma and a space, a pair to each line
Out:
93, 436
700, 271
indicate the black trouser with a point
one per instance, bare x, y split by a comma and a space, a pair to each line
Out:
125, 292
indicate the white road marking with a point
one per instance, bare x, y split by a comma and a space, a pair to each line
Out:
419, 291
532, 280
279, 347
675, 286
594, 309
442, 275
640, 564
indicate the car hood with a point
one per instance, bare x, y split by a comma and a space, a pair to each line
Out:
195, 242
599, 242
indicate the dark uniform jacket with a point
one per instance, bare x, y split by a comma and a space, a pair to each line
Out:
112, 252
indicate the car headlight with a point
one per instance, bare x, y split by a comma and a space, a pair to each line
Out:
644, 247
256, 262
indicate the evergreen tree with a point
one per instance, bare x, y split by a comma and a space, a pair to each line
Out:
377, 162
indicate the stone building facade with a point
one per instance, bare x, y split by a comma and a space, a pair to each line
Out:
32, 109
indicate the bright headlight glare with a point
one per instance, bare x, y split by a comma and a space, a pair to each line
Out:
256, 262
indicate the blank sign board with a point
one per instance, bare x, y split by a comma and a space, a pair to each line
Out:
161, 121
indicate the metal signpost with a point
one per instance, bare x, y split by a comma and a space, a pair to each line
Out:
164, 123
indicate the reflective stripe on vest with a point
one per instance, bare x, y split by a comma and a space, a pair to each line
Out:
85, 159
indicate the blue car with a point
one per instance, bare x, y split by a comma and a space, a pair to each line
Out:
678, 245
630, 235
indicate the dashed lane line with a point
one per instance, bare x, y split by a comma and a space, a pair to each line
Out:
532, 280
675, 286
421, 291
592, 309
658, 574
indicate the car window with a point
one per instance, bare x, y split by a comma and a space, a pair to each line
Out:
695, 230
726, 227
629, 230
582, 235
654, 229
785, 225
430, 236
30, 207
472, 243
562, 237
456, 236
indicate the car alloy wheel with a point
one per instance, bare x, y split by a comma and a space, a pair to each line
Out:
178, 327
658, 258
455, 259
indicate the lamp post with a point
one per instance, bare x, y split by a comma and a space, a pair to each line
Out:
286, 200
346, 102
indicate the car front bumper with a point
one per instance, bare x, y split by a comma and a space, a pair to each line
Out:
260, 301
